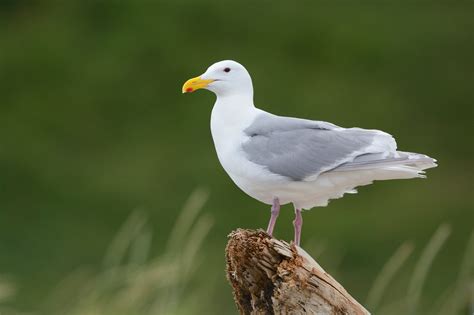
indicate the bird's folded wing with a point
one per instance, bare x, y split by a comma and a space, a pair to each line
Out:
302, 149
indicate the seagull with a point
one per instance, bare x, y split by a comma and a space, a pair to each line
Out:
279, 160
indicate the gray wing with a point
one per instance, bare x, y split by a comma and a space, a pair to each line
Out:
299, 148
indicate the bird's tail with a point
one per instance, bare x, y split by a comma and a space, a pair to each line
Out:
413, 161
417, 160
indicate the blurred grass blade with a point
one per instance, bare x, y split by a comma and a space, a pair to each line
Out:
423, 266
460, 296
127, 234
387, 273
140, 248
7, 290
131, 282
186, 218
196, 238
185, 243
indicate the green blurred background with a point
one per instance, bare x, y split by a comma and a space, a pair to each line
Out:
93, 126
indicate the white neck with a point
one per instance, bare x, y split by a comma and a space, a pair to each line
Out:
230, 116
233, 110
237, 100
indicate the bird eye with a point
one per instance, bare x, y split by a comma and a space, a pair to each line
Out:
227, 70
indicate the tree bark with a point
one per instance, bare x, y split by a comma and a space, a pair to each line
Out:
269, 276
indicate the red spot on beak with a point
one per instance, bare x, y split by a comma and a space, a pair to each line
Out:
189, 89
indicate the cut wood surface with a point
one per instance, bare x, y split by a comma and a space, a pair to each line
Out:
269, 276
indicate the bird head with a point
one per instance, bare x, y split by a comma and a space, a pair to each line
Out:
224, 78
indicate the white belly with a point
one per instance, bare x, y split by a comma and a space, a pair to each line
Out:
318, 192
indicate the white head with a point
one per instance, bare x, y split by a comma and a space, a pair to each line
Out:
224, 78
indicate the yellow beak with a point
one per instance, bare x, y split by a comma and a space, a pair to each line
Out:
195, 84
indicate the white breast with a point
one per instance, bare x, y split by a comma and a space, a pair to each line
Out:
228, 122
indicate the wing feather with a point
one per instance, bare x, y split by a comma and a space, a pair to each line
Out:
302, 149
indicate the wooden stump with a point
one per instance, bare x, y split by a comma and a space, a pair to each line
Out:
269, 276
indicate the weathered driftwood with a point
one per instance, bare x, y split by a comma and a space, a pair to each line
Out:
269, 276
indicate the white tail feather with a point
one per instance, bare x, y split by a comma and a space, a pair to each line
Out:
415, 161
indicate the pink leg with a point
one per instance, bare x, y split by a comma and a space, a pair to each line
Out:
298, 223
275, 212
